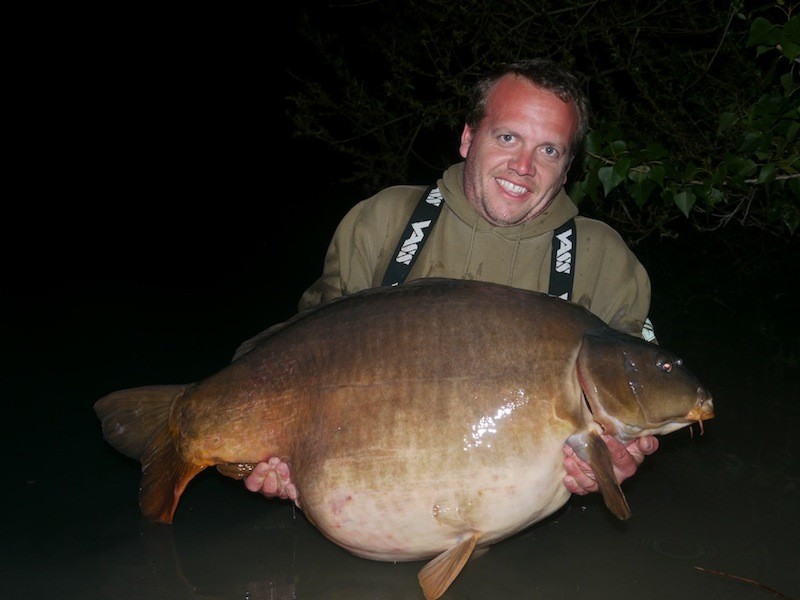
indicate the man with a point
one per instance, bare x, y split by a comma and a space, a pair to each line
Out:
498, 214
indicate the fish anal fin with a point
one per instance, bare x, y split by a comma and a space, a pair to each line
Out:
436, 576
236, 470
592, 449
165, 476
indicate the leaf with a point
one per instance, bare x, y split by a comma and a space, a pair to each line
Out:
767, 173
591, 187
656, 174
621, 167
609, 178
618, 147
791, 50
787, 82
752, 140
790, 38
641, 190
593, 143
638, 174
719, 174
762, 32
748, 168
576, 194
715, 196
685, 201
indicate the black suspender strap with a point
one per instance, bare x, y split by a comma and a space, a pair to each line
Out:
419, 226
562, 261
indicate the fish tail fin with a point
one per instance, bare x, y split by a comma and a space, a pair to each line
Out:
136, 423
436, 576
131, 418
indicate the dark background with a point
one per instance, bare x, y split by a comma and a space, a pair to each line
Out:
159, 212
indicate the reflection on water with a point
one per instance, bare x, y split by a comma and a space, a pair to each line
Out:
680, 547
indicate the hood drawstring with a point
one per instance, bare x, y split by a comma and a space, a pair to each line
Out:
514, 257
471, 246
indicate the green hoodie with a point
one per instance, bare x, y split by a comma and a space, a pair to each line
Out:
608, 279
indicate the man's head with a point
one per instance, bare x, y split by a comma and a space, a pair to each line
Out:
526, 123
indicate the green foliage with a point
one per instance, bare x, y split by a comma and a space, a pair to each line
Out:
696, 102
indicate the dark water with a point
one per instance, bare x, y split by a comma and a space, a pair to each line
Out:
724, 501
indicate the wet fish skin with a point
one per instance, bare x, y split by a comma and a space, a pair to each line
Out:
419, 421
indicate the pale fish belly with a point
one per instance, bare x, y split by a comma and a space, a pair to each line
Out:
414, 520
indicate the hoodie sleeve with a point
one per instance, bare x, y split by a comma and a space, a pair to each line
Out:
611, 282
346, 268
360, 247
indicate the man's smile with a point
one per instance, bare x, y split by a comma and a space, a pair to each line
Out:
511, 188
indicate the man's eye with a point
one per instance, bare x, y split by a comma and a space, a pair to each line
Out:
550, 151
507, 138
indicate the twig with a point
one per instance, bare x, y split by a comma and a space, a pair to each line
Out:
745, 580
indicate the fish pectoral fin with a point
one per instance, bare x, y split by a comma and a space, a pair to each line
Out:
438, 574
593, 450
236, 470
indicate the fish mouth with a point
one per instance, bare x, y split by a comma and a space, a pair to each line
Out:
703, 410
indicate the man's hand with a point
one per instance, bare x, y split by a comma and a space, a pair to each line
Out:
580, 477
273, 479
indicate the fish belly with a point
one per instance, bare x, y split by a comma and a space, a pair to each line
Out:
434, 506
407, 469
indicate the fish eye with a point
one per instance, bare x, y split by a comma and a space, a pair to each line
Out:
666, 365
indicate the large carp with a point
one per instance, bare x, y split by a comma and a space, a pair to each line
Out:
425, 420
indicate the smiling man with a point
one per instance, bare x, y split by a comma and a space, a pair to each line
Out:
517, 151
501, 215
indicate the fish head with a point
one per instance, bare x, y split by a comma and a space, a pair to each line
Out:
635, 388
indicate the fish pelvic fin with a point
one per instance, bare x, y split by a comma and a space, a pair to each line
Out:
593, 450
436, 576
136, 423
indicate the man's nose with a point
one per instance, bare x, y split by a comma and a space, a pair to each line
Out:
522, 162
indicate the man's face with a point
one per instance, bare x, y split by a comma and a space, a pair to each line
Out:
517, 157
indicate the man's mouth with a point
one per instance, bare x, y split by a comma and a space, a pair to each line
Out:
511, 188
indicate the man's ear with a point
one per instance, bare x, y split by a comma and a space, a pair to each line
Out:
466, 140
